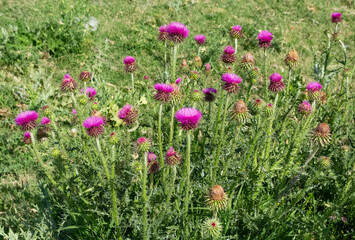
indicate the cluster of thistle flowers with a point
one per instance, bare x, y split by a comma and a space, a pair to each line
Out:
27, 121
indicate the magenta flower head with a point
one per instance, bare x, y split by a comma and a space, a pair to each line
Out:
142, 144
45, 121
265, 38
188, 118
153, 165
314, 91
336, 17
163, 92
276, 83
74, 112
207, 67
231, 82
236, 32
128, 114
269, 109
228, 56
94, 126
163, 35
200, 39
27, 138
178, 80
27, 120
304, 108
146, 77
91, 92
68, 84
177, 32
85, 76
129, 63
210, 94
172, 158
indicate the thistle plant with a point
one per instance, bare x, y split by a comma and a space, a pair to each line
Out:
265, 38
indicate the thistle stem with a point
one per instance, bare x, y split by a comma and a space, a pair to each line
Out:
216, 159
174, 61
236, 45
288, 81
269, 131
171, 185
144, 195
186, 200
128, 149
113, 192
172, 126
160, 144
132, 77
265, 73
103, 159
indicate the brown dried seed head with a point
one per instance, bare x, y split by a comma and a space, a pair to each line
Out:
323, 129
292, 58
95, 113
240, 107
184, 63
248, 58
217, 193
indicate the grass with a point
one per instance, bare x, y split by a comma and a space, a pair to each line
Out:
49, 41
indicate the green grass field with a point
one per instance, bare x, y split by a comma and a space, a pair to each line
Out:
277, 186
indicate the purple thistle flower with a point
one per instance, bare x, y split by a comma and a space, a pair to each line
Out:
128, 114
336, 17
27, 138
276, 83
45, 121
188, 118
304, 108
163, 92
129, 63
142, 144
94, 126
27, 120
228, 56
236, 32
209, 94
207, 67
265, 38
163, 35
68, 84
231, 82
85, 76
151, 157
74, 112
200, 39
314, 86
172, 157
178, 80
153, 165
146, 77
177, 32
91, 92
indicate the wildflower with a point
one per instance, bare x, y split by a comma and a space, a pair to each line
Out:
336, 17
153, 165
146, 77
68, 84
188, 118
163, 35
27, 120
45, 121
276, 83
240, 112
94, 126
321, 135
177, 32
74, 112
172, 157
325, 161
210, 94
248, 61
231, 82
217, 199
236, 32
258, 104
207, 68
163, 92
178, 80
200, 39
90, 92
265, 38
304, 108
129, 63
292, 59
228, 56
142, 145
96, 113
27, 138
212, 228
194, 75
313, 90
85, 76
269, 109
113, 138
128, 114
176, 95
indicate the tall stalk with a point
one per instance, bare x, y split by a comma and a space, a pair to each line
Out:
265, 73
216, 159
174, 62
288, 81
172, 185
236, 45
172, 126
113, 192
186, 200
161, 158
144, 195
103, 159
132, 77
269, 131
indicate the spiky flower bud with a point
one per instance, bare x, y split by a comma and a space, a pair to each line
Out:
313, 90
211, 228
85, 76
194, 75
269, 109
128, 114
258, 105
236, 32
304, 108
113, 138
27, 138
322, 99
172, 157
276, 83
229, 55
153, 165
248, 61
68, 84
176, 95
210, 94
292, 59
55, 152
321, 135
163, 35
196, 95
142, 145
325, 162
217, 199
240, 112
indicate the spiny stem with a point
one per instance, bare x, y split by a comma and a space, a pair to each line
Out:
174, 61
186, 200
265, 73
132, 77
144, 194
270, 127
103, 159
160, 144
288, 81
172, 126
236, 45
171, 185
113, 192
